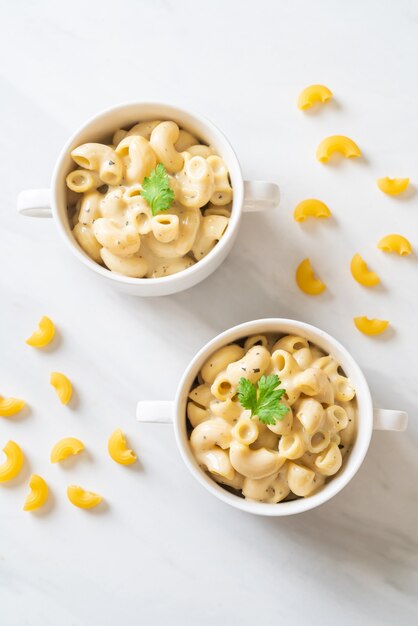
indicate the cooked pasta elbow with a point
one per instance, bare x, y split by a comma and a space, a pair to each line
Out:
165, 227
217, 462
213, 432
120, 242
163, 138
99, 157
315, 382
85, 238
222, 193
134, 266
195, 184
196, 414
220, 360
139, 157
292, 446
272, 489
254, 463
245, 431
310, 414
212, 229
329, 461
300, 479
82, 181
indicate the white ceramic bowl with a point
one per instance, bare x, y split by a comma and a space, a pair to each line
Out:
248, 196
368, 418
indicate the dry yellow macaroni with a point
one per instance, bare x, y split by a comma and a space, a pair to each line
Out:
116, 226
312, 95
310, 208
13, 463
395, 243
337, 143
38, 493
370, 326
392, 186
62, 386
306, 281
361, 272
10, 406
293, 457
43, 335
81, 498
66, 447
118, 449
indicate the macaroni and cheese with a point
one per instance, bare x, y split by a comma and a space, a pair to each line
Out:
115, 222
270, 460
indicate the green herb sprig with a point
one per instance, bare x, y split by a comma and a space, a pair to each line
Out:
263, 398
157, 191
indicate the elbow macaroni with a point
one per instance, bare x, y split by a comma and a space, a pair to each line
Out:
293, 457
370, 326
118, 449
43, 335
306, 280
392, 186
311, 208
337, 143
361, 272
312, 95
13, 463
114, 224
81, 498
99, 158
395, 243
10, 406
66, 447
38, 493
62, 386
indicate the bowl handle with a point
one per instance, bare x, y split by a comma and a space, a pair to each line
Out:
390, 420
34, 203
155, 412
260, 195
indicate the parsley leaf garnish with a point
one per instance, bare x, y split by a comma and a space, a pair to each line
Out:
263, 398
157, 191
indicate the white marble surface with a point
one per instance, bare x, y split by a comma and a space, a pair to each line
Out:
164, 551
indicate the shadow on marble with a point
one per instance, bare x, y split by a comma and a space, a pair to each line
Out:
373, 522
101, 509
47, 508
237, 292
75, 401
